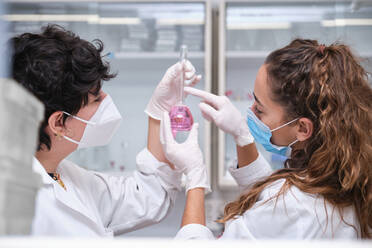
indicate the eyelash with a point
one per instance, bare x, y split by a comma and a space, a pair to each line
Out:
257, 110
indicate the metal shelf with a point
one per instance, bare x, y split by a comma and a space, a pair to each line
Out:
156, 55
246, 54
264, 54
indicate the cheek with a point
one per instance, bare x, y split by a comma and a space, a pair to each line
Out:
269, 120
88, 111
279, 136
282, 137
75, 129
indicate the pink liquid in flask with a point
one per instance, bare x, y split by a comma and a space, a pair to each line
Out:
180, 115
181, 119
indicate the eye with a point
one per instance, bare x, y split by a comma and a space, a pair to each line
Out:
257, 111
98, 99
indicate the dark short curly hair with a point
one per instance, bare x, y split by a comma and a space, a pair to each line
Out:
60, 69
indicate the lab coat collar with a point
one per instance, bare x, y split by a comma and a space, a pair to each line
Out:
68, 197
39, 169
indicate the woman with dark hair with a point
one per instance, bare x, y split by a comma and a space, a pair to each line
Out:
66, 74
313, 104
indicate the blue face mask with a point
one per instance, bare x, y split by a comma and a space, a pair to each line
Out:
262, 134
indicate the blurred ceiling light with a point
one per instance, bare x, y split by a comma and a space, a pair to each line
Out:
118, 21
51, 18
263, 25
178, 21
91, 19
347, 22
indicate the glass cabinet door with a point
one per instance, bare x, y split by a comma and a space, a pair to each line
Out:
142, 39
250, 30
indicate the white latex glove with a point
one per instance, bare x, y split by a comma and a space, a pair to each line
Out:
186, 156
224, 114
166, 93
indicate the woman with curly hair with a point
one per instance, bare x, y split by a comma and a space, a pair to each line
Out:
313, 104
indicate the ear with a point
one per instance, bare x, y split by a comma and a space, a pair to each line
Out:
305, 129
55, 123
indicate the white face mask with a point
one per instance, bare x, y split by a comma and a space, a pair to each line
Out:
101, 127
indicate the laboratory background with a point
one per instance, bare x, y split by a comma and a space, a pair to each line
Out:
227, 42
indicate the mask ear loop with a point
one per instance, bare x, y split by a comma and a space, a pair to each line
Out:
82, 120
71, 140
78, 118
294, 142
284, 125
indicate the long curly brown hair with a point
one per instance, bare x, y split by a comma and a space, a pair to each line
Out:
327, 85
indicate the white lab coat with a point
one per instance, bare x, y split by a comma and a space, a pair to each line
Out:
96, 204
297, 215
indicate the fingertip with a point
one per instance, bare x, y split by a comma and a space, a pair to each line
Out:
190, 75
187, 89
188, 83
208, 111
188, 66
196, 80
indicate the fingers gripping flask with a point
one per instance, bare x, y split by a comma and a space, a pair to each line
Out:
180, 115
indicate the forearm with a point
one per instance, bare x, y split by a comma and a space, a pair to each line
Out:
246, 154
194, 212
153, 141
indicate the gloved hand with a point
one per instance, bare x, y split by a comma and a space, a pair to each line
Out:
166, 93
186, 157
224, 114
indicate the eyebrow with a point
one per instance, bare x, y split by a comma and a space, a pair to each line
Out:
256, 99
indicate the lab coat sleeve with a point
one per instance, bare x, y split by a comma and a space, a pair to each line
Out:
267, 219
127, 204
194, 231
245, 177
252, 173
271, 218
